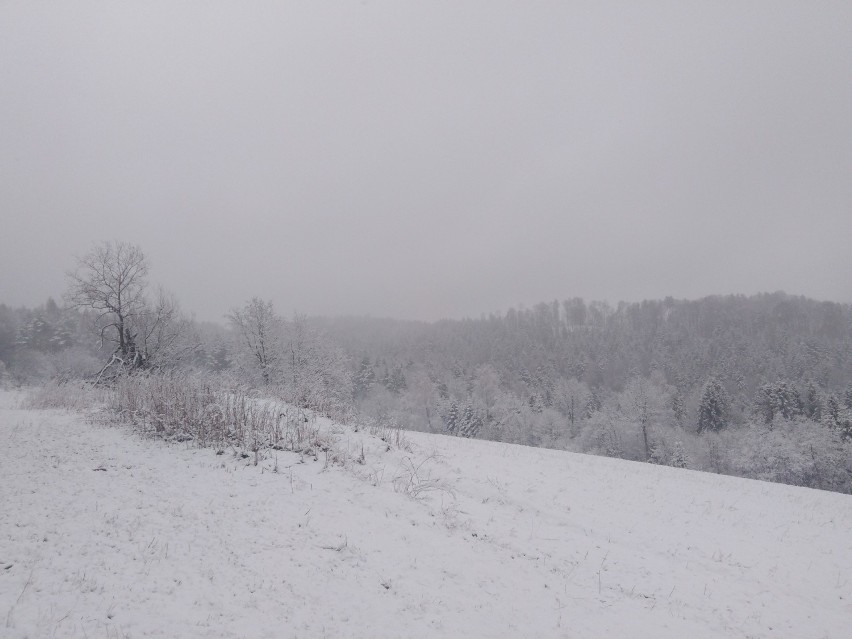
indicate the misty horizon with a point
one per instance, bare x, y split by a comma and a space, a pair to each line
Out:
222, 320
432, 161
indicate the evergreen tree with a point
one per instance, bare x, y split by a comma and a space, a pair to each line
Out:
536, 403
219, 359
593, 404
679, 458
470, 423
678, 408
779, 399
451, 421
813, 403
713, 409
846, 426
385, 378
365, 378
833, 410
397, 382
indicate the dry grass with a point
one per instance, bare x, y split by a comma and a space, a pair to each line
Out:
183, 408
72, 395
204, 411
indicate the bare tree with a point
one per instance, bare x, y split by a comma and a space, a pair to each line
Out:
112, 279
318, 375
163, 336
638, 405
259, 331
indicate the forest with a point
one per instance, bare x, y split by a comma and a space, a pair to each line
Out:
754, 386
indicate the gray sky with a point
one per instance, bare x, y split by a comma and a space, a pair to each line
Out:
429, 159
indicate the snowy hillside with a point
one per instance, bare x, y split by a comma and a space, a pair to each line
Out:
105, 534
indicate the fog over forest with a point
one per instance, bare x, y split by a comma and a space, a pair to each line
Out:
243, 194
757, 386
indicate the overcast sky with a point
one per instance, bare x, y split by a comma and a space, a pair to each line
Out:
429, 159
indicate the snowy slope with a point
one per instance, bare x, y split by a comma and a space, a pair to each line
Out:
450, 538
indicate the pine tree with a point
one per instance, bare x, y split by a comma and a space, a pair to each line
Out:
471, 423
451, 421
833, 410
593, 404
679, 457
365, 378
846, 426
396, 382
536, 403
813, 403
712, 411
219, 359
790, 405
779, 399
678, 408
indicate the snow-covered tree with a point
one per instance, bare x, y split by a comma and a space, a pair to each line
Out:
452, 418
317, 373
365, 377
637, 406
713, 408
570, 398
798, 452
471, 422
421, 400
678, 408
779, 399
813, 403
603, 435
112, 280
679, 458
259, 332
396, 382
486, 388
593, 403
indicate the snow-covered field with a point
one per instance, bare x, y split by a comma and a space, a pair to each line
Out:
105, 534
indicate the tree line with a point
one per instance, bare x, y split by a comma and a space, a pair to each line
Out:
757, 386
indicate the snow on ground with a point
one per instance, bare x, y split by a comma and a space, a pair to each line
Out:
106, 534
